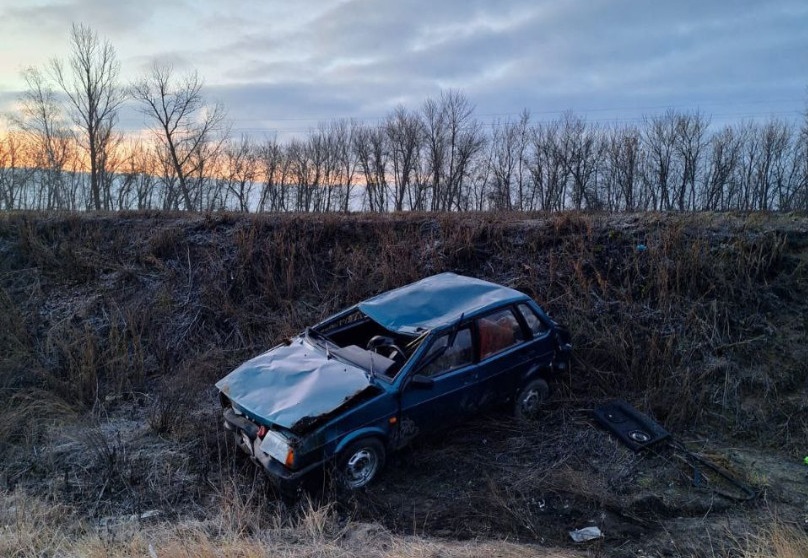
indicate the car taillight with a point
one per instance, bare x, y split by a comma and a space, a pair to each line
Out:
290, 458
262, 432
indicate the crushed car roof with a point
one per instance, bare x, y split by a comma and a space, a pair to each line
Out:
435, 301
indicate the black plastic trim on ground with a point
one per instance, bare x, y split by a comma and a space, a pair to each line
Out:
639, 432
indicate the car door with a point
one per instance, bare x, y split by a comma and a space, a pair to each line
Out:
542, 345
453, 377
505, 355
514, 343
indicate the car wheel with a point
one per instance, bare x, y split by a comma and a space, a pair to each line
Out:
360, 463
530, 399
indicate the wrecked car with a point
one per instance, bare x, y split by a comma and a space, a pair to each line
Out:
367, 380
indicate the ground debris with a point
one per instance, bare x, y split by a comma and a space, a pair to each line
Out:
586, 534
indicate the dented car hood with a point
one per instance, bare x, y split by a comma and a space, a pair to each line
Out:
291, 383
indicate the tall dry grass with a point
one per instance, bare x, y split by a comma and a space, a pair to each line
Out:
686, 314
30, 527
703, 327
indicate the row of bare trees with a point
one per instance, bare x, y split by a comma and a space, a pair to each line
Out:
675, 161
65, 152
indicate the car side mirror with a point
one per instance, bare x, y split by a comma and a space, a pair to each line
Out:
422, 382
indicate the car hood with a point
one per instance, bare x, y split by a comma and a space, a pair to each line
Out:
292, 383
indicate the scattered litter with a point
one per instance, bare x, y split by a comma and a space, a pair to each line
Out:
805, 460
109, 521
586, 534
641, 247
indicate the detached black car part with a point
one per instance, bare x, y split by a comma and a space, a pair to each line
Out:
639, 432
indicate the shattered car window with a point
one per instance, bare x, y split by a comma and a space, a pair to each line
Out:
536, 326
460, 354
361, 341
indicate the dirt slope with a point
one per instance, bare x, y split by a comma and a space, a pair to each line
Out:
113, 328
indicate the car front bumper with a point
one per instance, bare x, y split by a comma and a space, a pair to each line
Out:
245, 433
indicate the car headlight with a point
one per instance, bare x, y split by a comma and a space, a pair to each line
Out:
278, 448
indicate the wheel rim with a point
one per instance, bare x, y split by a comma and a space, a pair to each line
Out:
530, 402
361, 467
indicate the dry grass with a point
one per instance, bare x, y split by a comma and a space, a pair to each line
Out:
118, 304
773, 538
27, 415
704, 328
31, 528
778, 540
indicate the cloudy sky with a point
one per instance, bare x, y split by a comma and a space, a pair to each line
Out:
284, 66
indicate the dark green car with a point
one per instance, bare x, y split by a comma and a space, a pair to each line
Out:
369, 379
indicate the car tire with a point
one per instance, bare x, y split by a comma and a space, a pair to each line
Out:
359, 464
530, 399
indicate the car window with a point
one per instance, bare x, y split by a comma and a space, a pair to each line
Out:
461, 353
534, 323
498, 331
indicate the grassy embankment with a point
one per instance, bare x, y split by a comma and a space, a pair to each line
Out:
112, 329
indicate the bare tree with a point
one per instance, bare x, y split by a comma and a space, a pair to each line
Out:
371, 155
316, 152
90, 81
581, 152
435, 134
722, 165
689, 142
189, 130
15, 174
547, 167
481, 182
788, 173
404, 137
324, 147
798, 199
659, 135
240, 170
272, 164
137, 189
342, 132
42, 121
749, 137
508, 146
453, 138
300, 174
8, 165
622, 168
212, 193
770, 170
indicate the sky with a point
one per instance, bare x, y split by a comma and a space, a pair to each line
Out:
280, 67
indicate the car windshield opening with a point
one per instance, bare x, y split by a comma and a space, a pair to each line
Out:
358, 339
